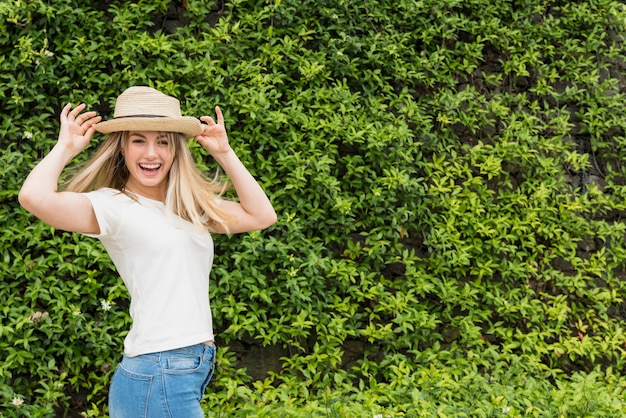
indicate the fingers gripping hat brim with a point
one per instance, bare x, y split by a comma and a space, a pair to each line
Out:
142, 108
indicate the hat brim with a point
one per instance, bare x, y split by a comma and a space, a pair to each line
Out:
186, 125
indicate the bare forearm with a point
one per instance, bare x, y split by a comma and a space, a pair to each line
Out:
44, 178
39, 193
252, 197
254, 210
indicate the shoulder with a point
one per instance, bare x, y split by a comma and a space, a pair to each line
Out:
104, 192
109, 203
112, 208
108, 194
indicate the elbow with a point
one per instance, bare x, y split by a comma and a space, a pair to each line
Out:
25, 199
269, 218
272, 219
31, 200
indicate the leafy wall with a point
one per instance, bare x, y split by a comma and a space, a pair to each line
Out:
450, 188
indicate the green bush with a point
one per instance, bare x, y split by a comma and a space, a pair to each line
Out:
449, 182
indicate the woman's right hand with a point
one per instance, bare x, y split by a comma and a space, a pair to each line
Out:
39, 194
77, 128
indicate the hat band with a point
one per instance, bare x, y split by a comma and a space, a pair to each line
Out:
140, 116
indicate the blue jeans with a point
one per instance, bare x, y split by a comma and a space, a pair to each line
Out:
168, 384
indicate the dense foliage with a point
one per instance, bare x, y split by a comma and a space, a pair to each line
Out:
450, 188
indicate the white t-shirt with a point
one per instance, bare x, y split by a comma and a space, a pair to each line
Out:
165, 263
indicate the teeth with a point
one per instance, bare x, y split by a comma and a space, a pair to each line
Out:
150, 166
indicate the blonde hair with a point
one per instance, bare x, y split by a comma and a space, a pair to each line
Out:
190, 194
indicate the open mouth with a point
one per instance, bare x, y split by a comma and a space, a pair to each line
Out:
150, 167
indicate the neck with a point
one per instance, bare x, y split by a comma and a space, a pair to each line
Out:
155, 193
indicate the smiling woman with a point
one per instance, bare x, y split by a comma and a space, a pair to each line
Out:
144, 198
148, 156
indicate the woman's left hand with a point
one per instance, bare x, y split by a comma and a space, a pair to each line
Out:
213, 137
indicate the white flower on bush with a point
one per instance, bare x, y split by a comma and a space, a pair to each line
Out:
17, 401
506, 410
27, 135
48, 53
106, 305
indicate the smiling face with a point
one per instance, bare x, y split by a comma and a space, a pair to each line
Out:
148, 156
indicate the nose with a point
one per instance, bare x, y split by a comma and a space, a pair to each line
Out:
151, 150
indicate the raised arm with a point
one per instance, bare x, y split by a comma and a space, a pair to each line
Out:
254, 210
39, 193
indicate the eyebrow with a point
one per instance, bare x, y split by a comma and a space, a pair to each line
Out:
131, 134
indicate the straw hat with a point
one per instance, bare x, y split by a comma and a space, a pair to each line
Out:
142, 108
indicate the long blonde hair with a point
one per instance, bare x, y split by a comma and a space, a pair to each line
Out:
190, 194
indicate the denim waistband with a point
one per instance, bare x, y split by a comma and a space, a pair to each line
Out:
200, 349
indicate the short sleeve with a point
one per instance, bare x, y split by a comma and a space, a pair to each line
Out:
104, 206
